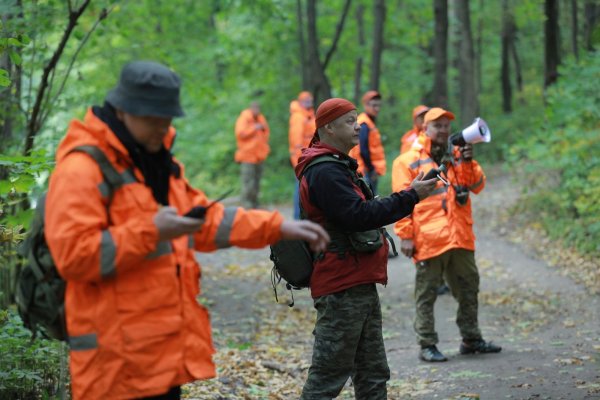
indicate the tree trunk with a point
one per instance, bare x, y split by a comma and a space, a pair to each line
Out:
479, 47
318, 83
11, 95
469, 101
516, 61
218, 61
302, 43
505, 68
591, 11
360, 9
574, 29
552, 55
379, 13
440, 54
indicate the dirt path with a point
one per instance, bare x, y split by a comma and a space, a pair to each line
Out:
548, 325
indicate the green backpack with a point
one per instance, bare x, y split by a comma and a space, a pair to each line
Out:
40, 294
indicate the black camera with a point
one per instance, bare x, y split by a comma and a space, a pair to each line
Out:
462, 195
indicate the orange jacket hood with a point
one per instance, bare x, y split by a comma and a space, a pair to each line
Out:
97, 134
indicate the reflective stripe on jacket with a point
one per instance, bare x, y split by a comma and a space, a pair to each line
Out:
438, 223
135, 327
302, 129
252, 144
375, 149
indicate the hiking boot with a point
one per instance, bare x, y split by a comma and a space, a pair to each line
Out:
478, 346
431, 354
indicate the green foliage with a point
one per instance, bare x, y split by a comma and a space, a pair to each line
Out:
28, 369
562, 154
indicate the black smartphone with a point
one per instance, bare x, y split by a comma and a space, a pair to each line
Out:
199, 212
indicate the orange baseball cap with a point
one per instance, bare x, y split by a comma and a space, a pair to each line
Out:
419, 110
370, 95
435, 113
304, 96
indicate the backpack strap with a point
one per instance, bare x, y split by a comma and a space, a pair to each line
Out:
112, 176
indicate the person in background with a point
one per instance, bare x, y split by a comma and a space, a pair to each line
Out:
252, 136
409, 137
302, 128
135, 327
439, 235
369, 152
348, 332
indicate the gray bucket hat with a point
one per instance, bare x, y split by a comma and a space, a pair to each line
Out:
147, 88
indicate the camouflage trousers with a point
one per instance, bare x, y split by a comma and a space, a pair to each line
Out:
250, 177
457, 267
348, 344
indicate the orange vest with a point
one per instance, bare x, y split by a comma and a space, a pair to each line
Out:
135, 327
375, 147
252, 144
408, 139
438, 223
302, 129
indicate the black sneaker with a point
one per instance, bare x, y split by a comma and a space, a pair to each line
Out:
478, 346
431, 354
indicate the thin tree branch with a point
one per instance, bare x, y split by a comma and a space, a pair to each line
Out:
33, 125
338, 33
49, 104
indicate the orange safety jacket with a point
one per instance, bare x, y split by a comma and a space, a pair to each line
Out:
302, 129
135, 326
409, 138
252, 144
376, 150
438, 223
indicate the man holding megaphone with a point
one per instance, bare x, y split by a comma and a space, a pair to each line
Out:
439, 233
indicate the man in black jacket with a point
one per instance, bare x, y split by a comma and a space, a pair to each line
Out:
348, 333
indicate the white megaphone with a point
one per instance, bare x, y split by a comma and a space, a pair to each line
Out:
477, 132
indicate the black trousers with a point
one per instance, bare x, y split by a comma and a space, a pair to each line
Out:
173, 394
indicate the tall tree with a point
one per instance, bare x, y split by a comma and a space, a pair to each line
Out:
47, 93
574, 29
469, 99
506, 45
360, 24
9, 104
439, 95
317, 80
552, 42
378, 27
302, 43
591, 12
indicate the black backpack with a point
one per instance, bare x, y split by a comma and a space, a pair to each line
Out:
292, 259
40, 294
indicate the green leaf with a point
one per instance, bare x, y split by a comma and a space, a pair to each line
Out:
14, 57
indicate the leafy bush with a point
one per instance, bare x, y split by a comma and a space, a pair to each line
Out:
28, 369
562, 157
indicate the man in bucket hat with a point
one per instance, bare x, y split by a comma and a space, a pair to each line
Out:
439, 235
348, 333
135, 328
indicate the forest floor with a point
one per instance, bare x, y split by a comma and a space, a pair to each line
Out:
540, 303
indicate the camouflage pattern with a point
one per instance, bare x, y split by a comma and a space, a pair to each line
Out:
348, 344
250, 176
458, 269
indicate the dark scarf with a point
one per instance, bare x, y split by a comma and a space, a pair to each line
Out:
156, 167
438, 152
